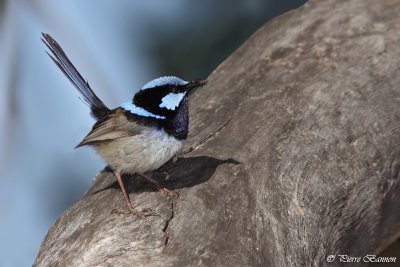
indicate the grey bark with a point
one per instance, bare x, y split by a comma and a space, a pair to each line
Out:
309, 106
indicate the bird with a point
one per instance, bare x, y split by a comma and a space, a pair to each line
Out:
140, 135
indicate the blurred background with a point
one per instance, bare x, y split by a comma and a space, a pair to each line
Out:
118, 48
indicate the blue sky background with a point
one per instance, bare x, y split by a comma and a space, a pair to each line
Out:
118, 48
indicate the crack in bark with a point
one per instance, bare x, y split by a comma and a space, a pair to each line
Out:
167, 223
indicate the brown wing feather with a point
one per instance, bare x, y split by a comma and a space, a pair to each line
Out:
114, 126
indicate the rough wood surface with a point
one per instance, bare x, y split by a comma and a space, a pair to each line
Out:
310, 107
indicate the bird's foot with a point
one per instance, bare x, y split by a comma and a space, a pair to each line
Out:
142, 213
159, 188
169, 193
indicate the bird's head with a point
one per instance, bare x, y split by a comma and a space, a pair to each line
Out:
165, 95
164, 101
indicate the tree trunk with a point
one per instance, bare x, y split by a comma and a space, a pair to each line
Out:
295, 156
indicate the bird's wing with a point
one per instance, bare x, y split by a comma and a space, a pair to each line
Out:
114, 126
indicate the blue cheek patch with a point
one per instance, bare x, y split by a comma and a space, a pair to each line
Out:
172, 100
129, 106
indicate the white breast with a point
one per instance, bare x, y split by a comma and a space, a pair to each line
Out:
140, 153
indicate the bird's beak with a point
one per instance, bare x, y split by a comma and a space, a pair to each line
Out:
195, 84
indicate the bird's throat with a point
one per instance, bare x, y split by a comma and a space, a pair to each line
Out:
178, 126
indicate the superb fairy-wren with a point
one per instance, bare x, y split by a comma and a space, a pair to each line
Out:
140, 135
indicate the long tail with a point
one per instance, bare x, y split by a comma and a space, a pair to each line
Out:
98, 108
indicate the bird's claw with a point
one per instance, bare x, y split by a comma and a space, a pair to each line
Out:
142, 213
169, 193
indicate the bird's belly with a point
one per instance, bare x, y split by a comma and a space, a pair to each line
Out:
140, 153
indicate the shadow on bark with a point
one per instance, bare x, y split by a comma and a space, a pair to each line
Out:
185, 172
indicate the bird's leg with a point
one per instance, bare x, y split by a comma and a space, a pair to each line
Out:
164, 190
141, 214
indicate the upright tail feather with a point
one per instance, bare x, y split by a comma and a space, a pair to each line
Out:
98, 108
